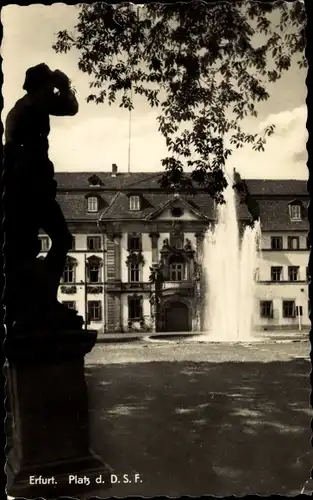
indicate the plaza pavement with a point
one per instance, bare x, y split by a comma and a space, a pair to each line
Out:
197, 418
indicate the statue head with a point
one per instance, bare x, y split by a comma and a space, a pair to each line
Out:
236, 176
39, 80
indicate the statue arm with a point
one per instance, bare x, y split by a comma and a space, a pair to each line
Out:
64, 102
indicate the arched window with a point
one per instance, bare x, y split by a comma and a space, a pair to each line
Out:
177, 268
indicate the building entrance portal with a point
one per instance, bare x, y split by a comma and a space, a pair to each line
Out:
176, 317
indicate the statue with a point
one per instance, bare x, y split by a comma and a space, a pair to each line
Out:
165, 245
30, 205
245, 197
188, 246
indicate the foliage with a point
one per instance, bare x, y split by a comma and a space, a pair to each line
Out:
94, 289
205, 65
68, 289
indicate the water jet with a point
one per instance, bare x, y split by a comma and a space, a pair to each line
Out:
229, 262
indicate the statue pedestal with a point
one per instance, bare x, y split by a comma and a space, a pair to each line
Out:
49, 453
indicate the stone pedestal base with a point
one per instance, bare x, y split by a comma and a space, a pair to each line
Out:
47, 399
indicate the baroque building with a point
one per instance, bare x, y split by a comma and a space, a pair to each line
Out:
135, 262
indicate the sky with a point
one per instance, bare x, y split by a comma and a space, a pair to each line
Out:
98, 135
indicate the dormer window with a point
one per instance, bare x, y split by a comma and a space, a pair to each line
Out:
92, 204
295, 211
134, 203
95, 181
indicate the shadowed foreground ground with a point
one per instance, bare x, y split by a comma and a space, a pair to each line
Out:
193, 428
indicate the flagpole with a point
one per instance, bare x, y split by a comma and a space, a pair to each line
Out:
86, 304
129, 135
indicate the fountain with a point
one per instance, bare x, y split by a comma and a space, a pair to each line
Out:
229, 266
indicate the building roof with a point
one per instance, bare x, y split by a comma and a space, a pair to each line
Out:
147, 180
277, 187
275, 216
134, 180
274, 197
152, 202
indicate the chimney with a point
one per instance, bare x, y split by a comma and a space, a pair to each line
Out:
114, 170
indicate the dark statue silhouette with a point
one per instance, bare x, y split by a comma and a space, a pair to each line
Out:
245, 197
30, 205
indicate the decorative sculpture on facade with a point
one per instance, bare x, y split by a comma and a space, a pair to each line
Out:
135, 257
188, 246
165, 246
245, 197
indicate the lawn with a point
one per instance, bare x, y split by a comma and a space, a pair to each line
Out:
196, 419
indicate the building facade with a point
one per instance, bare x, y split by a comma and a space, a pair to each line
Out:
135, 263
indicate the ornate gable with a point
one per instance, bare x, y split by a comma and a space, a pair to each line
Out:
177, 208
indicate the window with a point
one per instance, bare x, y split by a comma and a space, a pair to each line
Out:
176, 272
177, 268
276, 273
134, 242
266, 308
276, 242
134, 308
134, 273
69, 273
93, 269
289, 309
94, 180
94, 310
92, 204
94, 273
177, 212
134, 203
44, 243
295, 212
293, 273
70, 304
94, 242
293, 242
